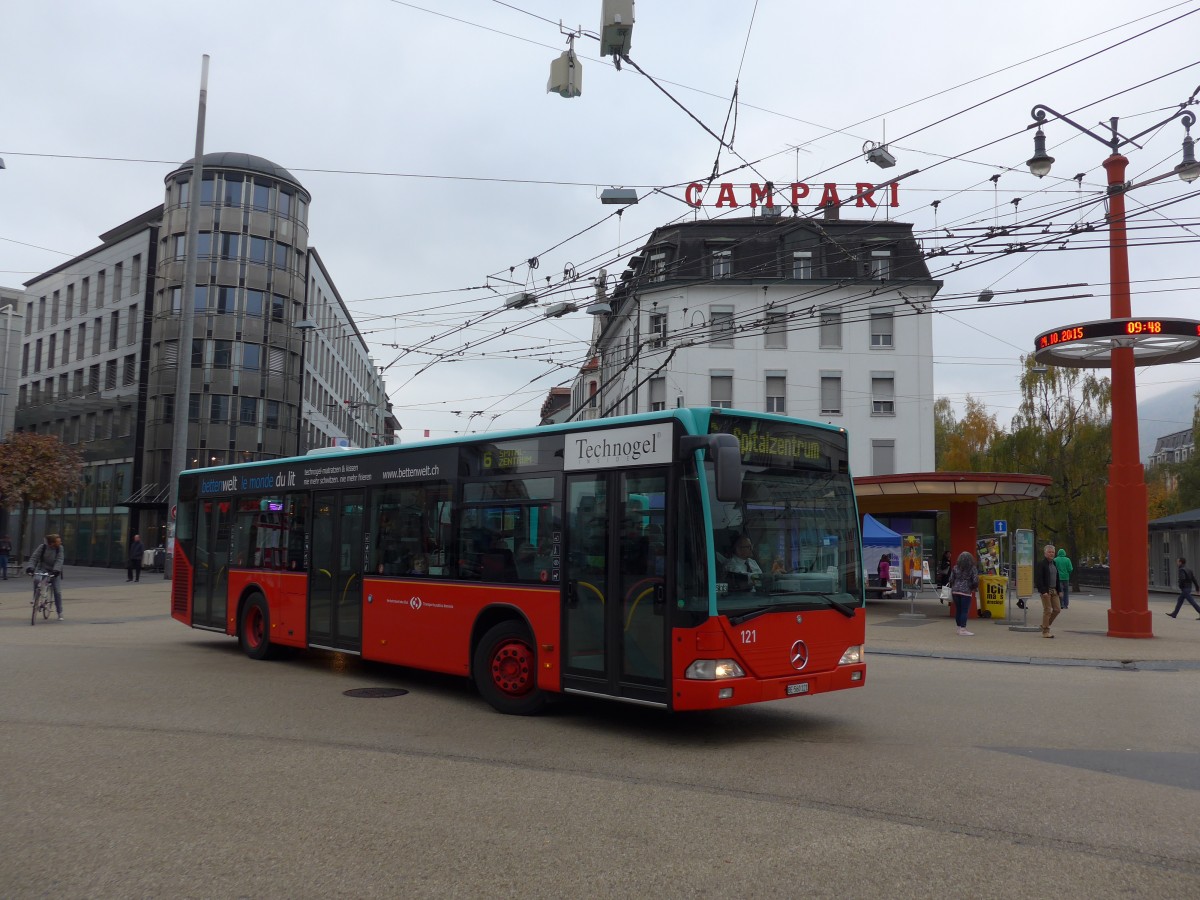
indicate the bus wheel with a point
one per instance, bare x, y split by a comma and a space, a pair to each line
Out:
505, 668
255, 631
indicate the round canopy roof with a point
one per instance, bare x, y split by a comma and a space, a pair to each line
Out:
912, 492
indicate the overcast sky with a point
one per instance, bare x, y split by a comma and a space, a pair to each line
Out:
437, 162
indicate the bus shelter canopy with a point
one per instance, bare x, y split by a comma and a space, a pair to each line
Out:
919, 491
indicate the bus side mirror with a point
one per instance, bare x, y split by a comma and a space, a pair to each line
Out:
726, 454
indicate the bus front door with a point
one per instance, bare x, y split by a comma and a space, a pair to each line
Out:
614, 611
336, 571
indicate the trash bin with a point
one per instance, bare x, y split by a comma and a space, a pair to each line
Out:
993, 595
160, 559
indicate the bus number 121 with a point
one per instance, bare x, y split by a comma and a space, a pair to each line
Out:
749, 636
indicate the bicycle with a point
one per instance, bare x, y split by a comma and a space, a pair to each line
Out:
43, 599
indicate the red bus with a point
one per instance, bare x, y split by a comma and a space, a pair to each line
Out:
685, 559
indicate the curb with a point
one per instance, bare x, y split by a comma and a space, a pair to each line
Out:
1127, 665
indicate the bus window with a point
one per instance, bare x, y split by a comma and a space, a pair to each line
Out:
509, 531
409, 526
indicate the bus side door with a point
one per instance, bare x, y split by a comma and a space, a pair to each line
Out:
614, 612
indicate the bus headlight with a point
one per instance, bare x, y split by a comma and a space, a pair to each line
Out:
852, 656
713, 669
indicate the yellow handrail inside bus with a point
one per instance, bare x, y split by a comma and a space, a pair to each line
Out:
353, 575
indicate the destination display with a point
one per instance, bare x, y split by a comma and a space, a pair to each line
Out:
777, 444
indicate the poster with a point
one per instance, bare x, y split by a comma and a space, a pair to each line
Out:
1024, 553
911, 558
989, 554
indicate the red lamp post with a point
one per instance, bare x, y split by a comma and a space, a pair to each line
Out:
1129, 614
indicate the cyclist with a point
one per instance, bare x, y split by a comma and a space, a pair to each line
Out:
49, 557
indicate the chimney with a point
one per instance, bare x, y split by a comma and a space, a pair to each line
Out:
833, 212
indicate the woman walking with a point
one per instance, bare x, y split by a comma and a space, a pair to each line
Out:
964, 579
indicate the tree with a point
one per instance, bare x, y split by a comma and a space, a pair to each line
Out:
1062, 430
963, 445
36, 471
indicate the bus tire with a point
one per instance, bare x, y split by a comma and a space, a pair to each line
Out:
505, 670
254, 633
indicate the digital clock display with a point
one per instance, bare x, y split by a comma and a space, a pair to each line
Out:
1115, 328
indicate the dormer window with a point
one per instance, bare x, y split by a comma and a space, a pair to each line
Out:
721, 262
657, 268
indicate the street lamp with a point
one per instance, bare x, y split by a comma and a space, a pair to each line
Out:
1129, 614
304, 327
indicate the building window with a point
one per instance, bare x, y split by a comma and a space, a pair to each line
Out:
285, 203
249, 411
66, 345
129, 376
222, 354
118, 280
233, 190
97, 327
41, 322
229, 245
254, 303
51, 350
776, 394
226, 300
114, 329
70, 302
881, 329
83, 295
281, 256
831, 330
880, 264
193, 407
54, 309
207, 192
721, 262
258, 250
37, 356
262, 197
802, 264
100, 288
658, 330
720, 391
776, 331
831, 394
135, 275
94, 378
168, 408
721, 321
883, 457
883, 394
131, 325
272, 413
218, 408
110, 375
658, 394
252, 357
658, 267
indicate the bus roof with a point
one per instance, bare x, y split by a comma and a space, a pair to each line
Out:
695, 420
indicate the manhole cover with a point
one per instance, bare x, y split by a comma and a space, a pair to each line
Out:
375, 693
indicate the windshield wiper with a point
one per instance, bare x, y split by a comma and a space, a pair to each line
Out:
847, 611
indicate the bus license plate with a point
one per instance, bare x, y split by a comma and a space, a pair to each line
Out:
801, 688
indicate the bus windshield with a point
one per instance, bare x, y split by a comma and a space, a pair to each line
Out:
789, 542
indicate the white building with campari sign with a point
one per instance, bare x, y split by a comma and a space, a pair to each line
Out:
816, 317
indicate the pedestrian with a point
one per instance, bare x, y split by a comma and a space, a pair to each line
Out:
1187, 581
964, 579
942, 576
1063, 563
5, 553
884, 570
48, 557
1045, 581
133, 571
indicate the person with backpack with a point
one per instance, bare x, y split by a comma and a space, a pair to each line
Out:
1187, 581
1065, 567
49, 558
